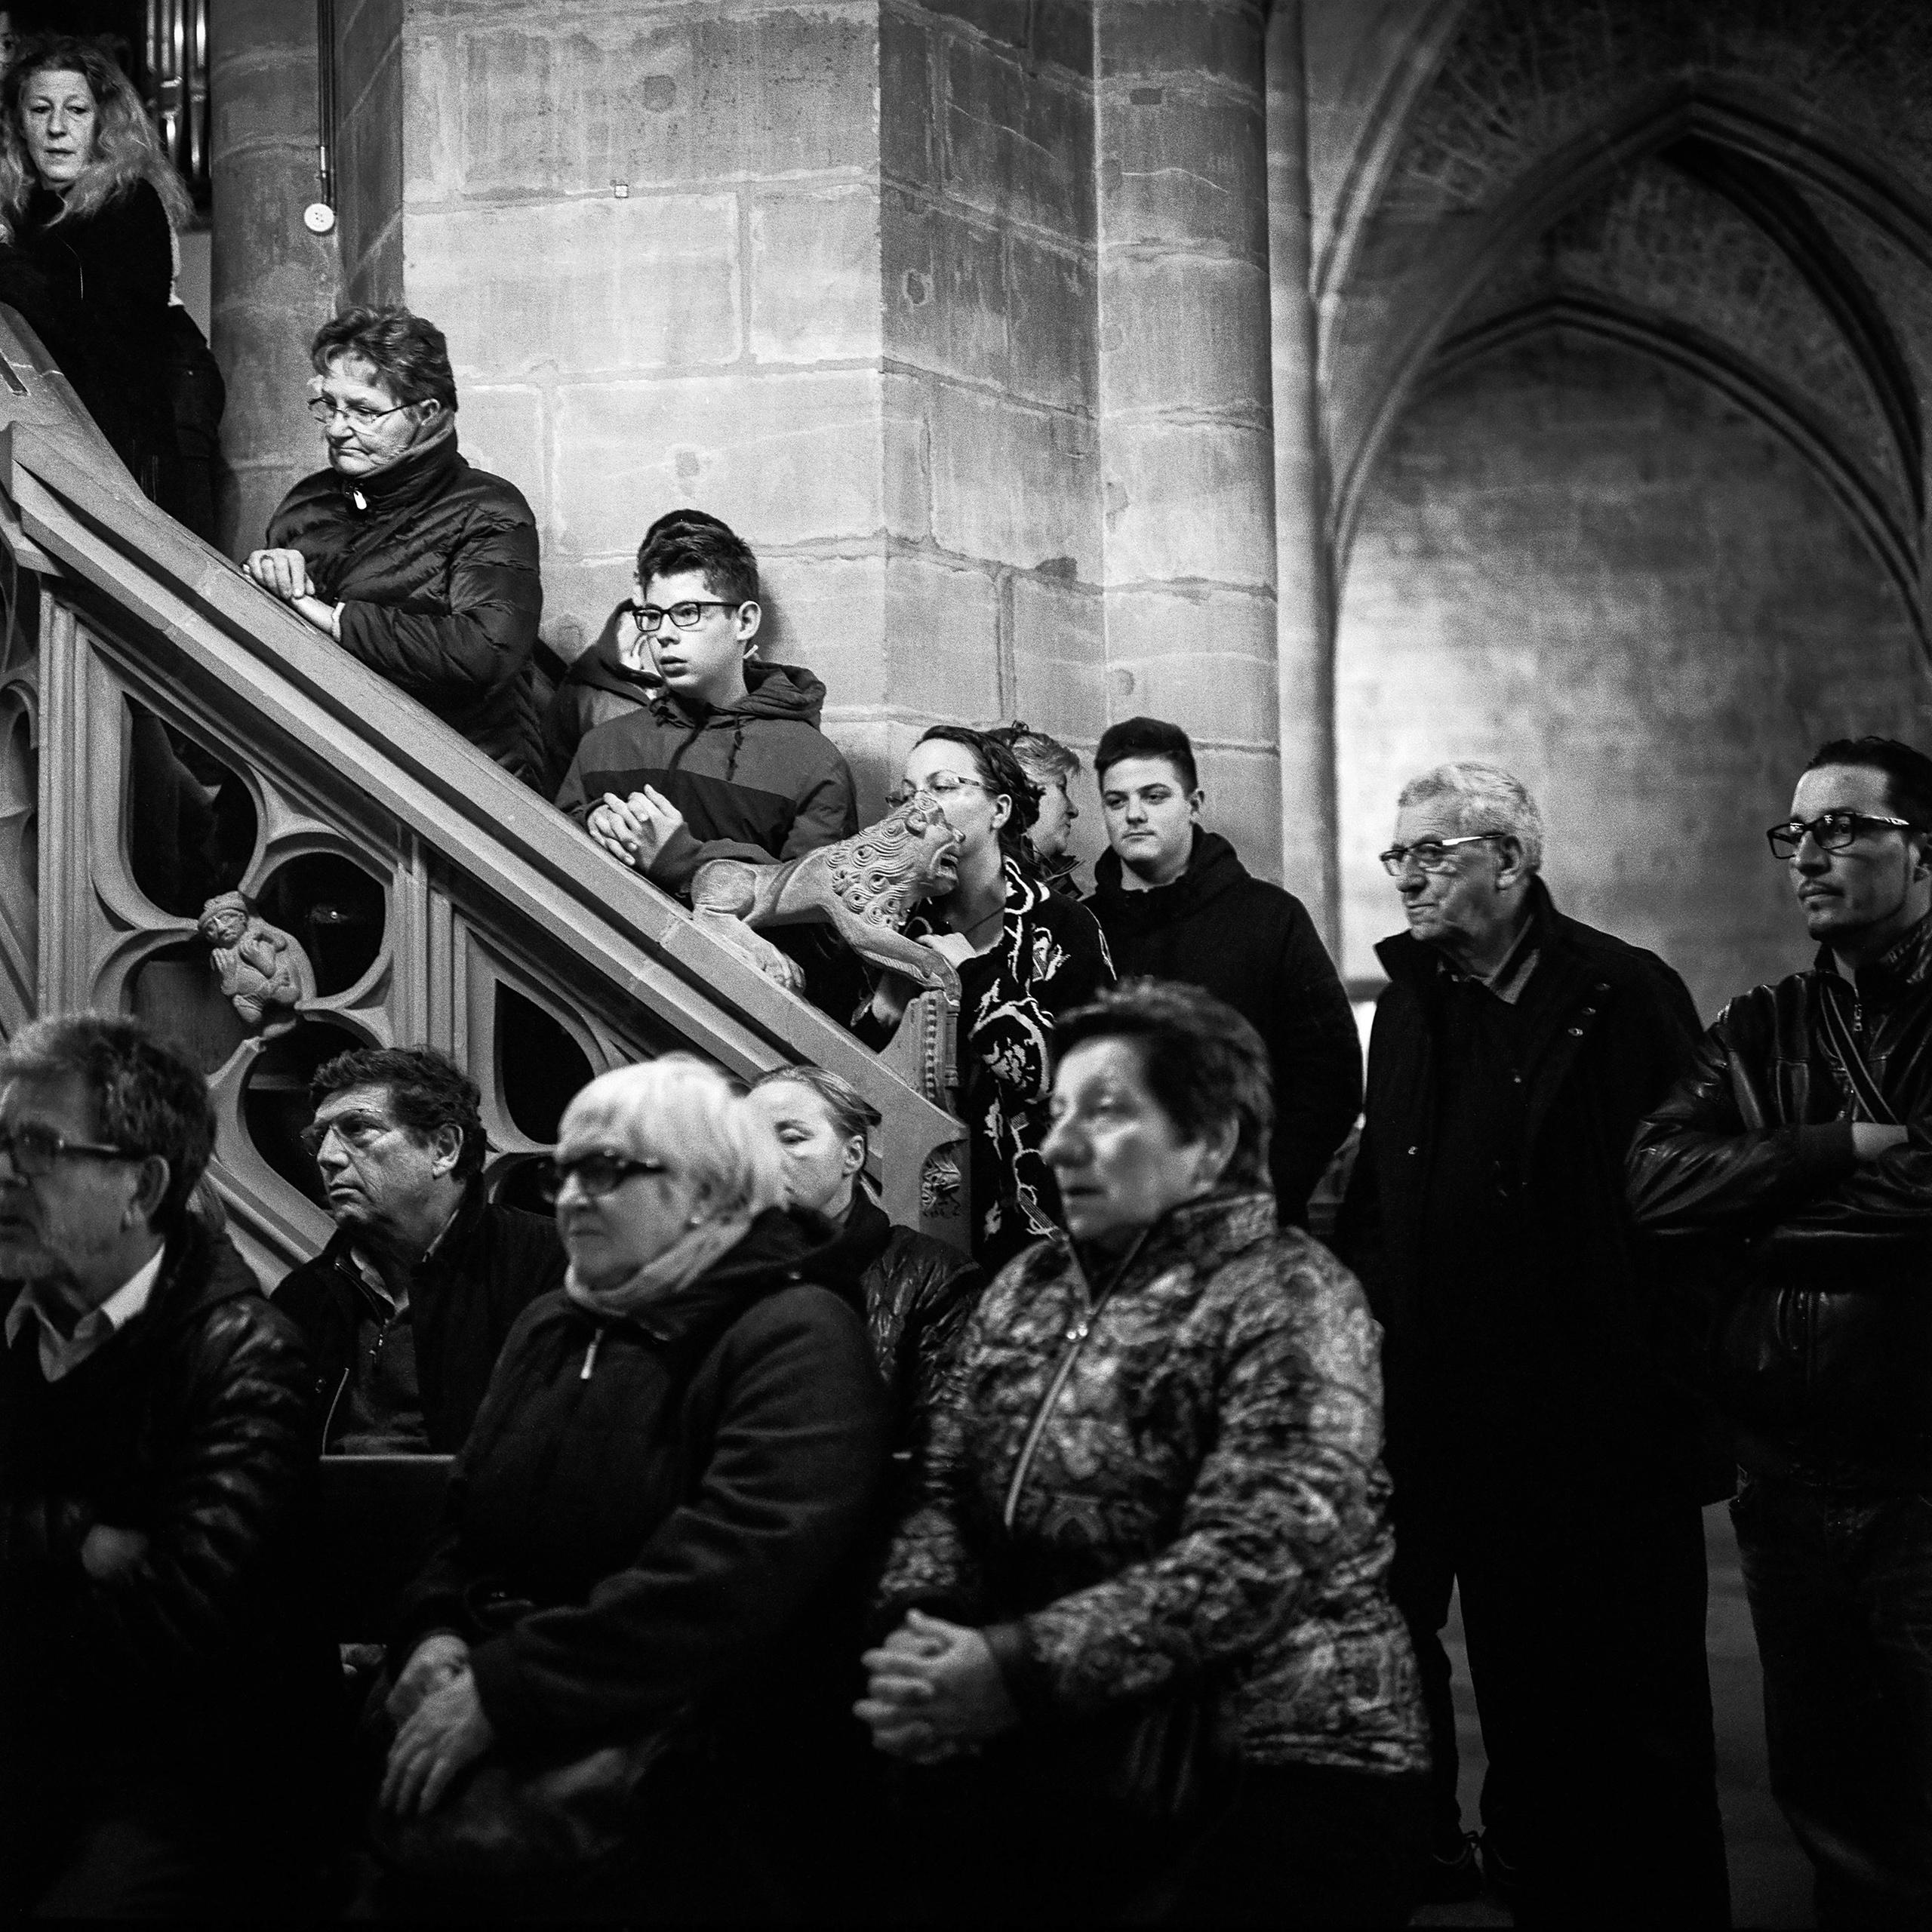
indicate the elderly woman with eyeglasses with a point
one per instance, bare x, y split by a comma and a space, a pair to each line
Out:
1025, 954
678, 1454
421, 567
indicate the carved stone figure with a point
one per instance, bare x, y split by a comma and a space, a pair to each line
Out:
865, 886
264, 972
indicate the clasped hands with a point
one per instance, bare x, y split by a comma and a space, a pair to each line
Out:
440, 1729
935, 1691
285, 573
634, 829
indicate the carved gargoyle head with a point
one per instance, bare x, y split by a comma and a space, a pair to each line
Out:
912, 853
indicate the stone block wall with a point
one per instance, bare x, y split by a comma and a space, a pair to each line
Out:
987, 273
1590, 570
270, 275
1186, 395
369, 149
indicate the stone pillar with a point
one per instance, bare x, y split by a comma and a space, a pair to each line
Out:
1304, 582
1186, 437
273, 282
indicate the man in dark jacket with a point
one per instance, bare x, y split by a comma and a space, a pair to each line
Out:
1540, 1458
1175, 904
165, 1692
1802, 1135
726, 759
422, 567
407, 1308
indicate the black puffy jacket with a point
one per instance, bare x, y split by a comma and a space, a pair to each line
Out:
204, 1663
435, 566
1822, 1333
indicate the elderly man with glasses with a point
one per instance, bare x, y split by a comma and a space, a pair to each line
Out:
165, 1693
407, 1308
1801, 1140
1542, 1462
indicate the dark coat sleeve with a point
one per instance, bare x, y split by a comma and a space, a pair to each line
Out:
827, 811
796, 1465
238, 1445
1317, 1058
486, 637
1707, 1159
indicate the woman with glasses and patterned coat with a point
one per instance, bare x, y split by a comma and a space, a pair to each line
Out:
421, 567
1025, 955
653, 1526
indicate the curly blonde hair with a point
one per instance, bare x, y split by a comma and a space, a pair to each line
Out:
127, 150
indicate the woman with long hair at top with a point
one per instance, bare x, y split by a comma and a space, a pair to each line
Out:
1024, 956
90, 202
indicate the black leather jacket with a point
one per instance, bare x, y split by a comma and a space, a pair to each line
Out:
1822, 1321
205, 1658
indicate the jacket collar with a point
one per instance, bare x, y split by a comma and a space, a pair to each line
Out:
1411, 962
1200, 1235
451, 1243
417, 475
1907, 964
1213, 867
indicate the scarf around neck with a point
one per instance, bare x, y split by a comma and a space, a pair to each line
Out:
683, 1262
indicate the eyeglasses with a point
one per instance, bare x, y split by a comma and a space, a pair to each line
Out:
357, 1132
1831, 832
34, 1150
942, 784
1429, 855
598, 1173
650, 619
359, 414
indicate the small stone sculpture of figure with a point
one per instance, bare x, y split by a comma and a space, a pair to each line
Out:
263, 971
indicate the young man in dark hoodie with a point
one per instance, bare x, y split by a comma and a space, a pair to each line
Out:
724, 758
1175, 904
607, 681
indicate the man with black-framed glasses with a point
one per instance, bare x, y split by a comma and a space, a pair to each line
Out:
1542, 1466
166, 1689
724, 758
1801, 1141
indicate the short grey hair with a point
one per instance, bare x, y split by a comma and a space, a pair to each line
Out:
1488, 799
680, 1109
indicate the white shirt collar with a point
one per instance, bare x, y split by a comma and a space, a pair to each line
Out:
61, 1352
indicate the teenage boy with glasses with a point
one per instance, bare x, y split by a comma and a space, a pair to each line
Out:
1802, 1135
724, 758
1543, 1464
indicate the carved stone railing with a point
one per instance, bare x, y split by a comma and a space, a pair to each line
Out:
168, 730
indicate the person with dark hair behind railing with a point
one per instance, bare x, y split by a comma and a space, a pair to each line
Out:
407, 1306
90, 204
1025, 954
419, 566
167, 1692
1142, 1652
613, 675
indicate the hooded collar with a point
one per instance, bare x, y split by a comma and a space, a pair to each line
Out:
783, 1248
771, 691
1213, 867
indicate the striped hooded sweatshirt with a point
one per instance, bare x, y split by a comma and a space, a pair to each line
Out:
757, 780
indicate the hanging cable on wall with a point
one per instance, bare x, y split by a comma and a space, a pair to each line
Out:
319, 215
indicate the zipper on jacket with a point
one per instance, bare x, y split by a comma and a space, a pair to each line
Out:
590, 1353
1076, 1339
335, 1401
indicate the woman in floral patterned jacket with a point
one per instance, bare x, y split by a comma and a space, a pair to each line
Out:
1159, 1498
1025, 954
